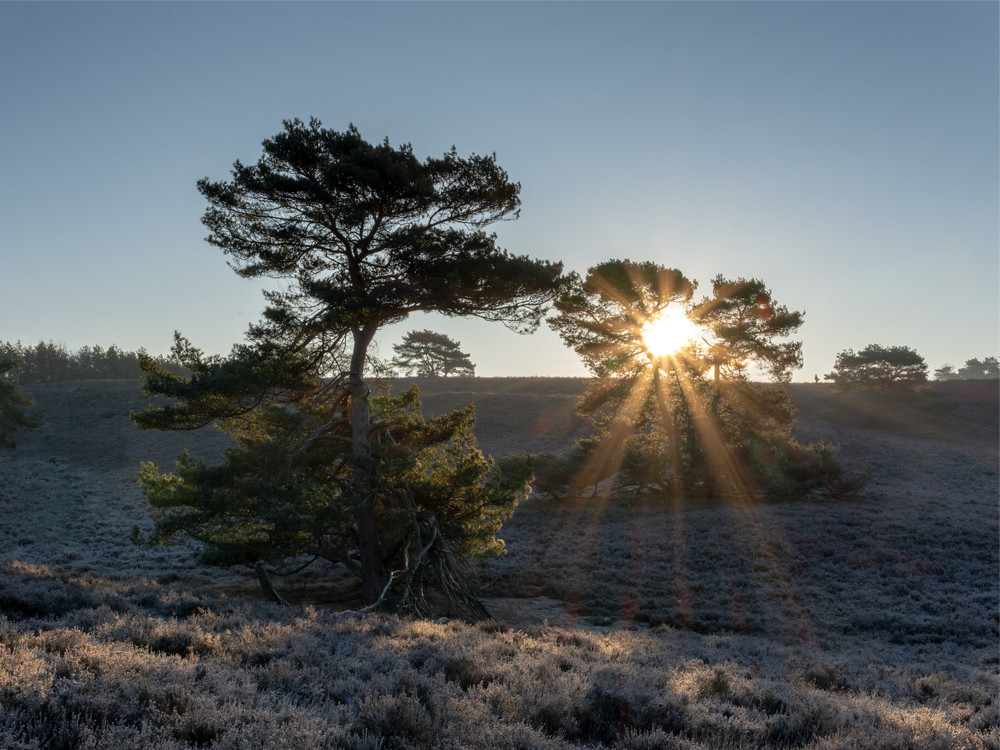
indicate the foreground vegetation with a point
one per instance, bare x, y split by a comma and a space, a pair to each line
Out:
241, 675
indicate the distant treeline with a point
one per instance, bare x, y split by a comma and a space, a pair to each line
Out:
48, 362
974, 369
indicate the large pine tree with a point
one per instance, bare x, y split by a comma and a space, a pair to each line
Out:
363, 235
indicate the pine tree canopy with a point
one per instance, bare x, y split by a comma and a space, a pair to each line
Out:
750, 328
878, 365
369, 234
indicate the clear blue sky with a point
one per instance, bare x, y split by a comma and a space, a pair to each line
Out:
845, 152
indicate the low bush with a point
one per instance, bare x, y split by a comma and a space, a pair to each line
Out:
791, 470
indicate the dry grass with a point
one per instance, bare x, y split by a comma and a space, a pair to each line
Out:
818, 624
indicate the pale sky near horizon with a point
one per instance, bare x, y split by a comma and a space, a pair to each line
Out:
844, 152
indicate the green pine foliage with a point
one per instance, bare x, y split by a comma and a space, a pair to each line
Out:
788, 469
552, 474
286, 493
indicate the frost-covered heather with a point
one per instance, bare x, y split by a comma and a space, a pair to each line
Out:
250, 675
870, 623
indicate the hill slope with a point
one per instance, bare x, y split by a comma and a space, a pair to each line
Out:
815, 623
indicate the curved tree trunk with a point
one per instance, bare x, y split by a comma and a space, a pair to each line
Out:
673, 438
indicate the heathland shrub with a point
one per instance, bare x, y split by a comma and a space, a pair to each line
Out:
779, 468
553, 474
262, 676
30, 591
790, 469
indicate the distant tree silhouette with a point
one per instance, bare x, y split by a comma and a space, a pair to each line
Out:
366, 234
947, 372
974, 369
878, 365
429, 354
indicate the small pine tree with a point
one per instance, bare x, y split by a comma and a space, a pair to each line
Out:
428, 354
285, 493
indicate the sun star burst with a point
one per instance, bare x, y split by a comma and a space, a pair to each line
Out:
669, 331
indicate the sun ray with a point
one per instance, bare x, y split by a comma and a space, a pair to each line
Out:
739, 490
609, 455
722, 463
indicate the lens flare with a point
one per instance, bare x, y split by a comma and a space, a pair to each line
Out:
669, 331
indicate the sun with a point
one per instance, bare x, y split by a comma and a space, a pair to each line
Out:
669, 331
